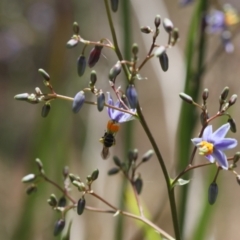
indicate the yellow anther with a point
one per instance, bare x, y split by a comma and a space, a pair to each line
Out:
205, 148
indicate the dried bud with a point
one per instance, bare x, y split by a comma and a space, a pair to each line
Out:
81, 65
117, 161
224, 95
94, 175
113, 171
31, 189
138, 184
146, 29
114, 5
232, 99
212, 193
205, 94
72, 43
157, 21
233, 126
45, 110
238, 179
78, 101
174, 36
93, 78
135, 49
100, 101
147, 155
131, 94
163, 59
94, 56
39, 164
62, 202
59, 226
168, 25
186, 98
236, 157
22, 96
44, 74
81, 205
29, 178
115, 71
75, 28
133, 154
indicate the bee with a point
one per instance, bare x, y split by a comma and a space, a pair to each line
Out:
108, 140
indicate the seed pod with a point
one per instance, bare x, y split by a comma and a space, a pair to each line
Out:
62, 202
115, 71
78, 101
81, 65
94, 56
81, 205
31, 189
75, 28
212, 193
117, 161
113, 171
157, 21
168, 25
44, 74
39, 164
138, 183
146, 29
45, 110
114, 5
94, 175
131, 94
59, 226
147, 155
163, 59
233, 126
72, 43
232, 99
186, 98
29, 178
22, 96
205, 94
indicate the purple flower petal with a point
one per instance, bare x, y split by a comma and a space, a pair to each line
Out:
225, 144
207, 133
220, 132
210, 158
221, 159
196, 141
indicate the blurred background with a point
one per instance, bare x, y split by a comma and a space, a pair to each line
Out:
33, 35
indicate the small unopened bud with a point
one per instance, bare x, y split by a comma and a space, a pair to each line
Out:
138, 184
81, 65
39, 164
238, 179
233, 126
94, 56
72, 43
205, 94
44, 74
62, 202
146, 29
94, 175
163, 59
135, 49
29, 178
65, 171
114, 5
45, 110
147, 155
175, 36
53, 200
232, 99
159, 51
186, 98
93, 78
59, 226
212, 193
131, 94
81, 205
157, 21
73, 177
78, 101
100, 101
31, 189
168, 25
117, 161
236, 157
224, 95
113, 171
115, 71
75, 28
22, 96
133, 154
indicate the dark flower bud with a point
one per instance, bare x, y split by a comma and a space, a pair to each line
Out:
39, 164
135, 49
22, 96
233, 126
65, 171
157, 21
133, 154
138, 184
115, 71
236, 157
45, 110
174, 36
212, 193
113, 171
94, 56
224, 95
205, 94
44, 74
81, 65
78, 101
53, 200
186, 98
93, 78
72, 43
117, 161
81, 205
62, 202
168, 25
238, 179
146, 29
147, 155
100, 101
131, 94
94, 175
29, 178
232, 99
114, 5
31, 189
59, 226
163, 59
75, 28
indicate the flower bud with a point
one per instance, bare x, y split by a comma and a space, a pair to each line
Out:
114, 5
94, 56
78, 101
174, 36
72, 43
81, 65
75, 28
212, 193
59, 226
81, 205
224, 95
147, 155
236, 157
31, 189
133, 154
62, 202
238, 179
100, 101
72, 178
233, 126
39, 164
22, 96
138, 184
159, 51
146, 29
117, 161
135, 49
168, 25
157, 21
131, 94
94, 175
115, 71
45, 110
186, 98
29, 178
93, 78
205, 94
53, 200
113, 171
44, 74
163, 59
232, 99
65, 172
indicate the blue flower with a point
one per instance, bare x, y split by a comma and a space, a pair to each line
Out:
215, 21
212, 145
116, 115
